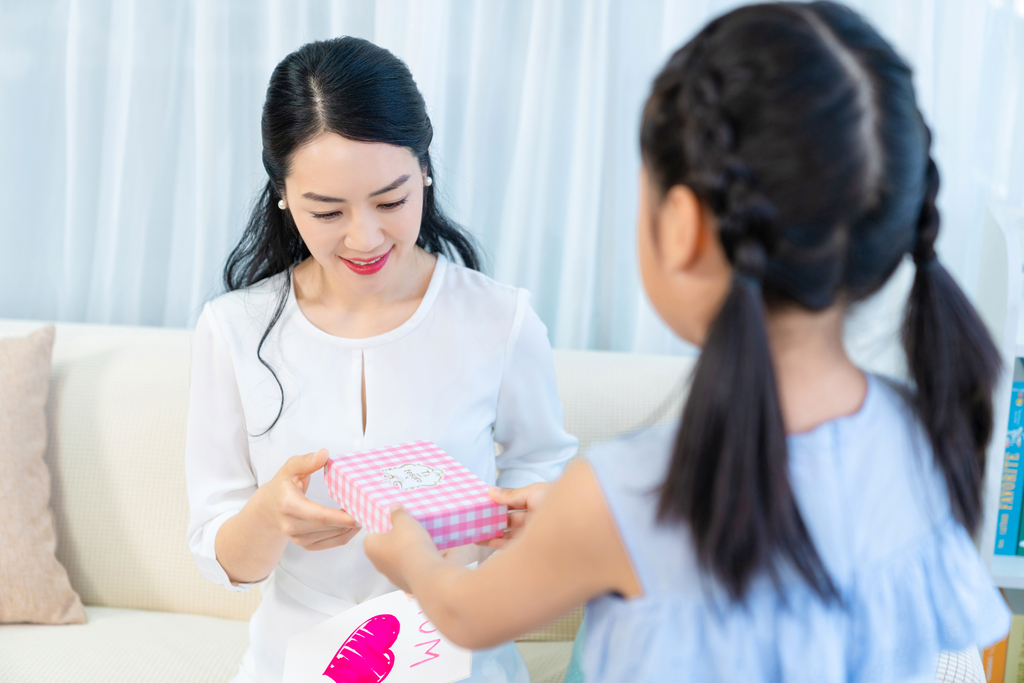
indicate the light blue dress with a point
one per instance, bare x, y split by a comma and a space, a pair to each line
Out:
878, 513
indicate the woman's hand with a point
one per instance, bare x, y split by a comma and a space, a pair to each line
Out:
284, 507
407, 544
522, 504
250, 544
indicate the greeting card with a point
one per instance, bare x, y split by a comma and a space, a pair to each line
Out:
384, 640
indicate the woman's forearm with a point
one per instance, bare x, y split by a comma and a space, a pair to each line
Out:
248, 548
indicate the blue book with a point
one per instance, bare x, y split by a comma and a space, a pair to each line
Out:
1011, 487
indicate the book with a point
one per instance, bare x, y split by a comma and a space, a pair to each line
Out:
1011, 486
1014, 668
993, 661
1014, 439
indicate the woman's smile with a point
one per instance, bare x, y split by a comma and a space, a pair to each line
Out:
367, 266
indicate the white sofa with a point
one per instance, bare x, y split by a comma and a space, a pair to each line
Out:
116, 416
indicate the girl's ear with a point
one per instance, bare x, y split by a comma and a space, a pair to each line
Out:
682, 229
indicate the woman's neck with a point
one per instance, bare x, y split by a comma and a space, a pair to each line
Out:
815, 377
343, 312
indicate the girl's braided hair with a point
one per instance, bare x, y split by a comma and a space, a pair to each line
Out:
797, 126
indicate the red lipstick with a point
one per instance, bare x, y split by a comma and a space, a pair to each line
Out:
367, 266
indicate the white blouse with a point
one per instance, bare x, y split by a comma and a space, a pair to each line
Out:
470, 369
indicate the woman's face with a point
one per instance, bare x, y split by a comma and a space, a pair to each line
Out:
357, 206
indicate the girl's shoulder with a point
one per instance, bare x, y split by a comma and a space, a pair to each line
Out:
867, 483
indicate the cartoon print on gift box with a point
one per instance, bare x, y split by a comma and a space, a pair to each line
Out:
413, 475
366, 656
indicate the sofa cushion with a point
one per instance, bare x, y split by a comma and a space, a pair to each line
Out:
34, 586
116, 414
546, 661
125, 645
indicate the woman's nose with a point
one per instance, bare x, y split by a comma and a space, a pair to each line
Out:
364, 234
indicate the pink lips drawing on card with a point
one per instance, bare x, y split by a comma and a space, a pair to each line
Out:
366, 656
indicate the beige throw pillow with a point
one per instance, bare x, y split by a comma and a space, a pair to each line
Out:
34, 587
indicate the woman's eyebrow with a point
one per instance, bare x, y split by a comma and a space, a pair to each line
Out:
321, 198
395, 184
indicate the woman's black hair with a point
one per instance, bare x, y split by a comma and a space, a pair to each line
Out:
362, 92
797, 126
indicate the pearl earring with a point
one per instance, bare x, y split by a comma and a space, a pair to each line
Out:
281, 205
429, 181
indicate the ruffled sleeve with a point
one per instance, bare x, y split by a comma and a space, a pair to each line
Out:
936, 596
894, 622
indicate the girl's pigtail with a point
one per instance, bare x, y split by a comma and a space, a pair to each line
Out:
729, 474
955, 365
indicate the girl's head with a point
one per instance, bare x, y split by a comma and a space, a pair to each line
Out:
787, 137
346, 141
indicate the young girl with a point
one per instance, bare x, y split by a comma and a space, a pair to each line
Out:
346, 328
805, 521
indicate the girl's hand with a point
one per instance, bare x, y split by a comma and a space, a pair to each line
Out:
407, 543
284, 508
522, 504
464, 555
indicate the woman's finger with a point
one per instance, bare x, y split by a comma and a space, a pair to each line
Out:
496, 543
513, 498
310, 537
303, 508
333, 542
304, 465
499, 543
516, 518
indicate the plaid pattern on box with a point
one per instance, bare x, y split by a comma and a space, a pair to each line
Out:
446, 498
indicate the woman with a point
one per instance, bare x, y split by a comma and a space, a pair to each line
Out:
348, 326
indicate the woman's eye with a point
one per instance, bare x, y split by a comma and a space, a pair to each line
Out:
393, 205
327, 216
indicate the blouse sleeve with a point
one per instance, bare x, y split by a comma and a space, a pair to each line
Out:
218, 474
529, 416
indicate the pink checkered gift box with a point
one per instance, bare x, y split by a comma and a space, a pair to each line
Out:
446, 498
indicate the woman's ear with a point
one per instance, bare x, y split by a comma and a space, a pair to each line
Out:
682, 228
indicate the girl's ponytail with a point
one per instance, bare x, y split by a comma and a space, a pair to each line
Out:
955, 365
729, 475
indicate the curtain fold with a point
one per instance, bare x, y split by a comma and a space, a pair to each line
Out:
130, 136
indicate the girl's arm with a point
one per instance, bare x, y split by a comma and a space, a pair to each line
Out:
528, 420
569, 553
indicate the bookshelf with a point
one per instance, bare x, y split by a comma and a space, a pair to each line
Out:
998, 298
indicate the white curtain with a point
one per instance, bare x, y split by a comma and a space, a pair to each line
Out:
130, 146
